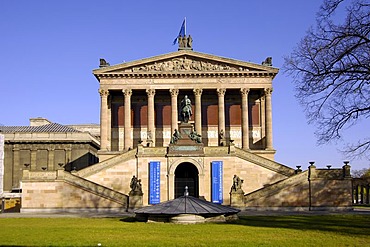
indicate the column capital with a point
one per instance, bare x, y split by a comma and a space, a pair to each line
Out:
221, 91
150, 92
197, 91
174, 92
268, 91
127, 92
103, 92
244, 91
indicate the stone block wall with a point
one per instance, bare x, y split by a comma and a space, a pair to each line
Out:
118, 176
54, 196
312, 189
50, 191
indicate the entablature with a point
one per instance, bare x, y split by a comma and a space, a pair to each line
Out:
238, 74
186, 64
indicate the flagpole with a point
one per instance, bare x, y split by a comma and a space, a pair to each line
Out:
185, 26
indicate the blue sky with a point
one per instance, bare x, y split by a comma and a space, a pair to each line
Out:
49, 49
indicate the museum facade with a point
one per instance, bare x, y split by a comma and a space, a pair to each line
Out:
184, 119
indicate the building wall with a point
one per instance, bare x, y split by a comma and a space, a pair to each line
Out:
263, 187
314, 189
119, 176
58, 195
44, 155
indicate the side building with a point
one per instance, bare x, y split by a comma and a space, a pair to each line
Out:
43, 146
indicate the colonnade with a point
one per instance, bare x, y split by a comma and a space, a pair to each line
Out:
361, 192
105, 116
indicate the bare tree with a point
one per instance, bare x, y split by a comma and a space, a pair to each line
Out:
363, 173
331, 72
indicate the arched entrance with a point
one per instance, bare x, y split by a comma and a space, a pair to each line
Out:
186, 174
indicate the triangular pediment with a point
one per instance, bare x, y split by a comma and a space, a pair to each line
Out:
183, 62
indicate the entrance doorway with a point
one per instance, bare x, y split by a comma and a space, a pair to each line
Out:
186, 174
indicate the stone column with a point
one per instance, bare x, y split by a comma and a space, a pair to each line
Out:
245, 118
221, 110
109, 124
51, 159
33, 159
171, 186
151, 121
198, 110
68, 151
127, 123
268, 120
104, 119
174, 113
17, 164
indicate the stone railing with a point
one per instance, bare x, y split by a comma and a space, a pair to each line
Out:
61, 175
272, 189
328, 173
216, 150
94, 188
143, 151
88, 171
266, 163
39, 175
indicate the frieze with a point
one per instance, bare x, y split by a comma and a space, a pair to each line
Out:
43, 175
185, 148
185, 64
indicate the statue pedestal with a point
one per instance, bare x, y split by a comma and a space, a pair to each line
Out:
135, 199
185, 130
185, 146
237, 198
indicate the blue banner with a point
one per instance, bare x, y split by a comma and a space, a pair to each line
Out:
154, 182
217, 182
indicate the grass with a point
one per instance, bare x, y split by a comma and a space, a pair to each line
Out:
328, 230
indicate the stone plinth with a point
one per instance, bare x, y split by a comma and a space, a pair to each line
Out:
185, 130
237, 199
185, 146
135, 199
187, 219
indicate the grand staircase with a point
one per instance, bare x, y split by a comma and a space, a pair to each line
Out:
264, 162
88, 171
94, 188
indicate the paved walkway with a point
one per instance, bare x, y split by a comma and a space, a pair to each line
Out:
131, 214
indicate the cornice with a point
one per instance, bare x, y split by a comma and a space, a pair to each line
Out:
174, 75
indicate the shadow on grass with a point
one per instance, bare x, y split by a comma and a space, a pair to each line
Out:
346, 224
129, 219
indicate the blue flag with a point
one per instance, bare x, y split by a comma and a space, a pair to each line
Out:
182, 32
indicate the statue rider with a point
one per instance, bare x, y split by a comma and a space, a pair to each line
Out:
186, 111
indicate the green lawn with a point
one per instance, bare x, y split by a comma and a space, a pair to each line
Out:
330, 230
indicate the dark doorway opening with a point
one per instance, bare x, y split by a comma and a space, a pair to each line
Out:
186, 174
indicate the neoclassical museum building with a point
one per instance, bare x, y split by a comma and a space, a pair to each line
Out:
185, 119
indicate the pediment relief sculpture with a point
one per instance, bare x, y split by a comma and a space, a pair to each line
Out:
185, 64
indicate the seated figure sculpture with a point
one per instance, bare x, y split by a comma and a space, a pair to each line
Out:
175, 137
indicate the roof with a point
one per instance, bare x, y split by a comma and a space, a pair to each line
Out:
183, 62
187, 205
50, 128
